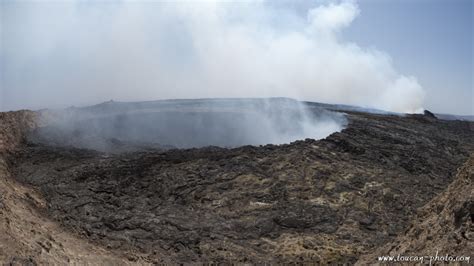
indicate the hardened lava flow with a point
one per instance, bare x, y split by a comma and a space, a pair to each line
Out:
333, 200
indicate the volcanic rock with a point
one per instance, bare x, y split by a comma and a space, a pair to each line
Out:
327, 201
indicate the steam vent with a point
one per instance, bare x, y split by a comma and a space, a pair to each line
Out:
232, 181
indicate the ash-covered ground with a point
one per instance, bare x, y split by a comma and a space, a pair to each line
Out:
321, 201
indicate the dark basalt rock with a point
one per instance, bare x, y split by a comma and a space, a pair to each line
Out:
443, 225
315, 201
429, 114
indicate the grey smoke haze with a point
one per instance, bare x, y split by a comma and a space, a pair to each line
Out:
74, 53
118, 127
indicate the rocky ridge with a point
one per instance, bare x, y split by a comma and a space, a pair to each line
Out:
444, 226
28, 235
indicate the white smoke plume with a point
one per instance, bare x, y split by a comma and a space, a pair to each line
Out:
72, 53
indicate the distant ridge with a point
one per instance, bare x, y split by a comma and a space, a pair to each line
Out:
455, 117
111, 106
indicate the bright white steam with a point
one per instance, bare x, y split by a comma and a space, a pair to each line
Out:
83, 52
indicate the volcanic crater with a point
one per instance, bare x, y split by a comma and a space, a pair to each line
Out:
322, 184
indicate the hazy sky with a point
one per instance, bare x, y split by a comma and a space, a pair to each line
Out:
430, 39
399, 55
